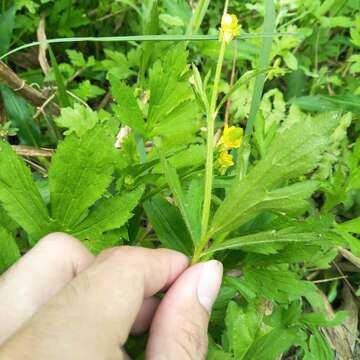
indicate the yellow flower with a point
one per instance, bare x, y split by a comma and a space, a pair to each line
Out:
225, 161
229, 28
232, 137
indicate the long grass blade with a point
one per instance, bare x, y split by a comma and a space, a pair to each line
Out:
142, 38
62, 94
198, 17
269, 27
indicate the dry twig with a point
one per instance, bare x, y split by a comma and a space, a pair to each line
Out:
23, 150
14, 82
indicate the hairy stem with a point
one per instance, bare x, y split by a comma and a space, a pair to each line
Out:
211, 116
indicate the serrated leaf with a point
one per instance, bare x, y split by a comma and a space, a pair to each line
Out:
242, 326
19, 195
172, 103
80, 172
78, 119
274, 343
87, 91
127, 109
168, 225
109, 214
9, 251
295, 150
277, 284
76, 58
105, 241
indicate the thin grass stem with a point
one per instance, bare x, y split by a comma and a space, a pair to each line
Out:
140, 38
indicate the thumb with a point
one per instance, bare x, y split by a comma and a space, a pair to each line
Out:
179, 328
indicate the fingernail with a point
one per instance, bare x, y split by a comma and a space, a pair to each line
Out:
209, 283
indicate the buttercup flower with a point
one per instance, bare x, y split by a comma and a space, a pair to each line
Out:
232, 137
225, 161
229, 28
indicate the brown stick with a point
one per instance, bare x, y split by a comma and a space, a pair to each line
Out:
23, 150
18, 85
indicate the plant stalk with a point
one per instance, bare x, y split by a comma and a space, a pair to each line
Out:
211, 116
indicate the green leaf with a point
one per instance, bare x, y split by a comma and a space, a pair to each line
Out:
108, 214
7, 24
277, 284
265, 53
243, 327
61, 87
21, 117
78, 119
266, 238
19, 195
6, 221
172, 104
76, 58
9, 251
127, 109
198, 17
87, 91
188, 210
324, 103
80, 172
319, 348
107, 240
314, 320
295, 150
168, 225
273, 344
150, 27
351, 226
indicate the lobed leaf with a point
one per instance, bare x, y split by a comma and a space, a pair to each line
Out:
19, 195
108, 215
127, 109
80, 172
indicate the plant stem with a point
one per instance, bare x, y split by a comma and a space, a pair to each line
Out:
211, 116
197, 17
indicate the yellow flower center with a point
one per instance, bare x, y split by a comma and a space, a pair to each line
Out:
229, 28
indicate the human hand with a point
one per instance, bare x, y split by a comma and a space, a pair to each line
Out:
59, 302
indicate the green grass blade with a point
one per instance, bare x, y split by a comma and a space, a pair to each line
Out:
7, 24
198, 17
269, 27
62, 94
142, 38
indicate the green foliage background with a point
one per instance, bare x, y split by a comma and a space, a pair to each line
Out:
284, 220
